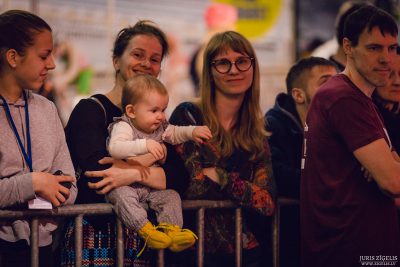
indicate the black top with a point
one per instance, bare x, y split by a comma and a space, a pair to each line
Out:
86, 134
340, 66
174, 167
391, 120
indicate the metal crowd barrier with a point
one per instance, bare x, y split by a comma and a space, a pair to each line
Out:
78, 211
282, 202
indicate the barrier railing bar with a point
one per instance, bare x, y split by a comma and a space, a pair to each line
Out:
160, 260
282, 201
78, 211
275, 235
35, 242
68, 211
207, 204
78, 240
120, 243
102, 209
200, 242
238, 238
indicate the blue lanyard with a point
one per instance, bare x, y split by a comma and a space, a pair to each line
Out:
27, 155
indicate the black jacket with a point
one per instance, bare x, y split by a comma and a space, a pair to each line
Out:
391, 119
286, 144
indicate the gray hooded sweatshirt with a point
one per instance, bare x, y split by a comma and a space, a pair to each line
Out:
49, 154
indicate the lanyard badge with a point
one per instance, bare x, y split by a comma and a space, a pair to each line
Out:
37, 202
26, 153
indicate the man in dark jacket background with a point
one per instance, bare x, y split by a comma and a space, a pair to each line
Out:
286, 121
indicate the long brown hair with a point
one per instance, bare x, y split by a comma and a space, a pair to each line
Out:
248, 133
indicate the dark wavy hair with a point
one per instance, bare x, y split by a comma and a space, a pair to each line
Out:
142, 27
368, 17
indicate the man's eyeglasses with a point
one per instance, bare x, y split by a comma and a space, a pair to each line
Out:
224, 66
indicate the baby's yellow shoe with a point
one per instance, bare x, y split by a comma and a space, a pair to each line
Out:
153, 238
181, 238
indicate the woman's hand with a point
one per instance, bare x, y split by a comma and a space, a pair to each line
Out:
146, 160
48, 186
119, 174
367, 175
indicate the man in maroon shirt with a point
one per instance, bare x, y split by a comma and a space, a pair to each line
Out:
347, 219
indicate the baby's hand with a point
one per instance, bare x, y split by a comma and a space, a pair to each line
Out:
155, 149
201, 133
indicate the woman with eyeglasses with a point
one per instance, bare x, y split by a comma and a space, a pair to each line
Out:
236, 164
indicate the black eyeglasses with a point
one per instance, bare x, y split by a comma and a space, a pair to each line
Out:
224, 66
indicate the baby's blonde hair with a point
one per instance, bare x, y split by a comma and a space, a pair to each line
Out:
135, 88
